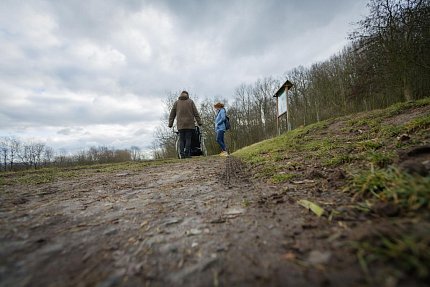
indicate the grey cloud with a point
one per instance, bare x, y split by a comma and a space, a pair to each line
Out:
71, 131
50, 111
143, 130
78, 63
252, 27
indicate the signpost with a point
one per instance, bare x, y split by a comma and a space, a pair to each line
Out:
282, 104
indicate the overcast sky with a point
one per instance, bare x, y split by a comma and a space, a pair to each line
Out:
79, 73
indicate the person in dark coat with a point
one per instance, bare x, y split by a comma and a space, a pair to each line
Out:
186, 114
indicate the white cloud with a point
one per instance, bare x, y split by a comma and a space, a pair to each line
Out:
25, 23
97, 57
79, 73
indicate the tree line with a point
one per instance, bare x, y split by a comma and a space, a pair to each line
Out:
17, 154
387, 61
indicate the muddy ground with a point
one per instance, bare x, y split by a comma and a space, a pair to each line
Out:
196, 222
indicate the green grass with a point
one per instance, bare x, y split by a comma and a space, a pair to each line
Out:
338, 159
369, 144
372, 120
246, 202
267, 171
39, 176
290, 141
280, 153
409, 192
419, 123
408, 253
380, 159
399, 108
364, 139
51, 174
367, 147
282, 177
391, 131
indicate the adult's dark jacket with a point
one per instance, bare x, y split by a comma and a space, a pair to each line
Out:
185, 111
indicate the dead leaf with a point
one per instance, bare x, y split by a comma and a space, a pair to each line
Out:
318, 257
311, 206
289, 256
303, 181
193, 231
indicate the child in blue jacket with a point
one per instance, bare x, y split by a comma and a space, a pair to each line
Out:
220, 127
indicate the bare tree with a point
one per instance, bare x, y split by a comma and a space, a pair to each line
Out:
4, 151
122, 155
135, 153
395, 36
14, 148
48, 155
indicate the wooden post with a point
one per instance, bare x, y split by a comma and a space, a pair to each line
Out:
277, 116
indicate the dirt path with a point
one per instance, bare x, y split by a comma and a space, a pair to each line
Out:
198, 222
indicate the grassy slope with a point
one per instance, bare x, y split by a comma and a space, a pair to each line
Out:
356, 162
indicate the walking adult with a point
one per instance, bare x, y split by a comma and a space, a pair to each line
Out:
186, 114
220, 127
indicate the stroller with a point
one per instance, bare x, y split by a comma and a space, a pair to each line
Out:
197, 143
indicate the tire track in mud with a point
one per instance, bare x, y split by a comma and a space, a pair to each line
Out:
196, 222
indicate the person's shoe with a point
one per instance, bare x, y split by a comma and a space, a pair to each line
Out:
224, 153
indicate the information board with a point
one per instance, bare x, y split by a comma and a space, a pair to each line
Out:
282, 103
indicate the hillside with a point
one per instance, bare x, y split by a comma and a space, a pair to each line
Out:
370, 172
344, 202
